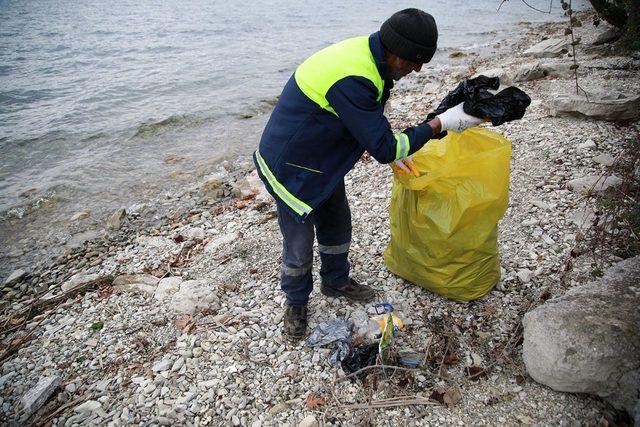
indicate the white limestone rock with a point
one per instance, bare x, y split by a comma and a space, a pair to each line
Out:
549, 48
38, 395
588, 341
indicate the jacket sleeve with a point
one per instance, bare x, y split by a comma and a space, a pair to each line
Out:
354, 100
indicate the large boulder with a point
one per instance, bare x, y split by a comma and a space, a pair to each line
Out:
611, 107
588, 341
548, 48
79, 280
608, 36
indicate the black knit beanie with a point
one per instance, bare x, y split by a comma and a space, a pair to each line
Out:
411, 34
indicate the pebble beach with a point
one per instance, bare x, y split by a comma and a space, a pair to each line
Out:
175, 319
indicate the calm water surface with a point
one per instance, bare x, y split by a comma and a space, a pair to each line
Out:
95, 95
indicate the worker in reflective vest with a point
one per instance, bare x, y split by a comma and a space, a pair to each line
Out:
330, 112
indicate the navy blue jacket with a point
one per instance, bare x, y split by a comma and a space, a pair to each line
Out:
309, 150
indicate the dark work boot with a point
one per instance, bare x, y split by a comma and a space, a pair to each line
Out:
295, 323
354, 291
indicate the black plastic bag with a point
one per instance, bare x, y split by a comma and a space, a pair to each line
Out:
507, 105
360, 357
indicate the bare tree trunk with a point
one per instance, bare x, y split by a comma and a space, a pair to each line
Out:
613, 14
632, 35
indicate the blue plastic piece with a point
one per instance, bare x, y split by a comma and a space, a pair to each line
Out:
383, 308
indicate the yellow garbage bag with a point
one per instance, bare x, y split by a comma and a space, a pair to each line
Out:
444, 223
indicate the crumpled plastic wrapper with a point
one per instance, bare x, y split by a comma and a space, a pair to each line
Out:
338, 332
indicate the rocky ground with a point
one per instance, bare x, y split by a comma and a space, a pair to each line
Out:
177, 320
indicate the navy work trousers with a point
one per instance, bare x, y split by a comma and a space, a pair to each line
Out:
331, 221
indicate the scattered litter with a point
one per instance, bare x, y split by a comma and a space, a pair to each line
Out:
360, 357
371, 329
386, 341
337, 331
409, 358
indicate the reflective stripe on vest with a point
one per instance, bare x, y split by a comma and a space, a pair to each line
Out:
297, 205
351, 57
402, 145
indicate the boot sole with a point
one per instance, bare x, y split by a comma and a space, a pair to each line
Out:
293, 338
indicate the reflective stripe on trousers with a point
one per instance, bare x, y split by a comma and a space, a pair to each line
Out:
332, 223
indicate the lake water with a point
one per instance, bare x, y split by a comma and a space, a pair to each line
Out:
95, 95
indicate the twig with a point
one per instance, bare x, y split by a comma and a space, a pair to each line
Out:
539, 10
500, 5
426, 352
383, 367
23, 340
444, 355
65, 406
390, 403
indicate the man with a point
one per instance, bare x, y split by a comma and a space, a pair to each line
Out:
330, 112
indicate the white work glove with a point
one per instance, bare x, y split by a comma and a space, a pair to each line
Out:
457, 120
404, 166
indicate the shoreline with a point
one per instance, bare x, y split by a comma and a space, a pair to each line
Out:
59, 221
228, 362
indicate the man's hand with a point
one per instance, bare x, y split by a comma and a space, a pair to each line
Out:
404, 166
457, 120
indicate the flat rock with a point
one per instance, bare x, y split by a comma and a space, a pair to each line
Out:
213, 185
78, 280
193, 296
528, 72
560, 70
587, 145
115, 219
594, 183
15, 277
582, 217
162, 365
221, 241
604, 159
610, 107
137, 209
167, 287
588, 341
80, 215
538, 70
148, 290
89, 406
193, 233
608, 36
308, 421
278, 407
541, 205
130, 279
254, 182
524, 275
501, 73
38, 395
548, 48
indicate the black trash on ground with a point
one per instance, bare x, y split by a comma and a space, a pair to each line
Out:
360, 357
505, 106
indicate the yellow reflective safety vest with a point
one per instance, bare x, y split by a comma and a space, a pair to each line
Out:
330, 112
